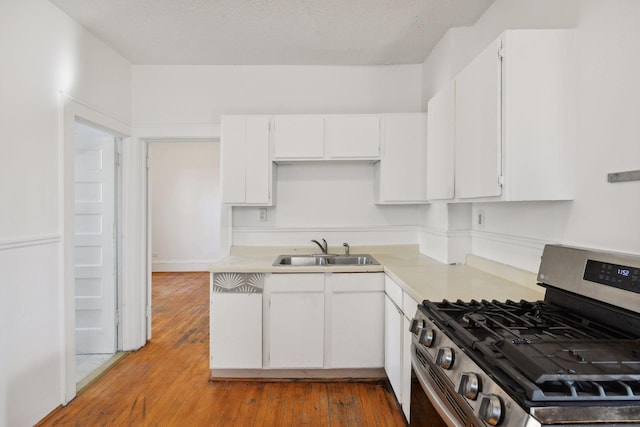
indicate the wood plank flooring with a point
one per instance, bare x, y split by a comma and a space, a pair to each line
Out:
166, 383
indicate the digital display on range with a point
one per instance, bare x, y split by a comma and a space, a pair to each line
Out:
618, 276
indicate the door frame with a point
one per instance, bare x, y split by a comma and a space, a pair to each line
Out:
145, 135
131, 316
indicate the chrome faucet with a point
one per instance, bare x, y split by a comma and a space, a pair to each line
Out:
324, 248
346, 248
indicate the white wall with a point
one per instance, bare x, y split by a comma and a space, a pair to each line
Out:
165, 95
189, 96
334, 201
602, 215
185, 205
43, 52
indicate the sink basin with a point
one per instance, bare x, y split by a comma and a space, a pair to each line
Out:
296, 260
353, 260
311, 260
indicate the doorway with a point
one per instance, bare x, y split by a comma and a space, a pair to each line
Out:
96, 260
183, 207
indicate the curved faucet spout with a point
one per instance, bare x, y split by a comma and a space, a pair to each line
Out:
324, 248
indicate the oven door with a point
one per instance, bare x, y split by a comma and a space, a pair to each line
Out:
420, 368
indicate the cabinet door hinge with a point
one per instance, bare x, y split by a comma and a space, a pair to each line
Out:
500, 180
500, 53
117, 160
117, 318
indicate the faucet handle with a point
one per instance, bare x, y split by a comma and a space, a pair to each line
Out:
346, 248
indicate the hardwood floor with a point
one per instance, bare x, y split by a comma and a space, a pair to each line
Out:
166, 383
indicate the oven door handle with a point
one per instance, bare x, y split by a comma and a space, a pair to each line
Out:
448, 417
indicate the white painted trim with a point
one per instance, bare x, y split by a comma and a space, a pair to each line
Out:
447, 246
134, 291
295, 236
517, 251
145, 134
178, 131
21, 242
169, 265
70, 111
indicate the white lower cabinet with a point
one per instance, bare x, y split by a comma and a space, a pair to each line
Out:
399, 309
393, 346
296, 321
409, 307
356, 320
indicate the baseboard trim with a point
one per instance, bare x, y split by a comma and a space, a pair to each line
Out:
517, 251
447, 246
301, 374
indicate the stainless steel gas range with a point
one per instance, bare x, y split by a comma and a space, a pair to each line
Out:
573, 358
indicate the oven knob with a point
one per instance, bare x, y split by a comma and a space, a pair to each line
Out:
426, 337
417, 325
469, 385
445, 357
491, 409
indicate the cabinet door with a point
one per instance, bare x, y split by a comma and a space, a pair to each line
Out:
393, 346
236, 331
298, 137
409, 307
357, 329
401, 172
296, 321
478, 126
440, 144
233, 159
258, 166
352, 136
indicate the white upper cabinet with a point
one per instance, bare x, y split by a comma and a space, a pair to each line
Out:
401, 172
440, 143
352, 137
326, 137
477, 126
247, 172
298, 137
515, 119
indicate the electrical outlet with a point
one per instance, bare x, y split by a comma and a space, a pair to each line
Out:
480, 219
262, 214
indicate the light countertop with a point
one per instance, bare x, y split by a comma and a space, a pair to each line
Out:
420, 276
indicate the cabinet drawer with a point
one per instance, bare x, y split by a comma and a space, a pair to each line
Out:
409, 305
357, 282
393, 290
297, 282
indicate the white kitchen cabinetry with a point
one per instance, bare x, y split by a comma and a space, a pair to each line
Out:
296, 321
393, 336
400, 175
247, 172
298, 137
515, 120
356, 320
236, 311
409, 308
326, 137
440, 143
400, 307
352, 136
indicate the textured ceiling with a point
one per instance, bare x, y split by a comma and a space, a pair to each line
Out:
273, 32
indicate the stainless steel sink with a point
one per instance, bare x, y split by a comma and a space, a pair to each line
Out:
310, 260
296, 260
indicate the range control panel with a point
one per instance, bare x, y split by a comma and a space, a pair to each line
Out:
618, 276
